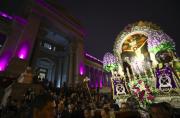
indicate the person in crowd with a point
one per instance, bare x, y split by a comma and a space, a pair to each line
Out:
161, 110
61, 112
114, 105
105, 112
44, 107
96, 113
87, 113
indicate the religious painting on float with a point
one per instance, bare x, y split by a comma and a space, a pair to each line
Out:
135, 55
134, 42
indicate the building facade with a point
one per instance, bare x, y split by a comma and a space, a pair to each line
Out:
94, 71
44, 38
42, 35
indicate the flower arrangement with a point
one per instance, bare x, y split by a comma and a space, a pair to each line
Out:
109, 62
142, 91
157, 39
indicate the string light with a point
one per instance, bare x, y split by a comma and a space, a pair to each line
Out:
92, 57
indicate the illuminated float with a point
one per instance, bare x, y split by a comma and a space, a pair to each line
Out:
144, 66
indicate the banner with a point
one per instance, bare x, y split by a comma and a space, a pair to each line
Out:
119, 87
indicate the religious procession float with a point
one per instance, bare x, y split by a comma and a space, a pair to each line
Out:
145, 67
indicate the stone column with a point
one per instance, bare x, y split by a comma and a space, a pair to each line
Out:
79, 59
71, 64
59, 76
53, 74
30, 33
76, 58
65, 68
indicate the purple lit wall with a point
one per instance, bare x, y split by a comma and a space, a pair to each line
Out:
96, 84
20, 20
3, 63
5, 15
17, 18
100, 84
23, 51
81, 69
4, 60
98, 78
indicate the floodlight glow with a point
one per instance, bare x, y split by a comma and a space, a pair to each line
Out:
23, 52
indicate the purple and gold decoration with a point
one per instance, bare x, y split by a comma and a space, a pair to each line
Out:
165, 81
140, 50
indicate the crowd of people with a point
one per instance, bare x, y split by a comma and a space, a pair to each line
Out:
75, 102
16, 108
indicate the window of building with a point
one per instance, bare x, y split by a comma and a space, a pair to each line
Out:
42, 74
48, 46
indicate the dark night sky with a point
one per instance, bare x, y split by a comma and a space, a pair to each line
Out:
104, 19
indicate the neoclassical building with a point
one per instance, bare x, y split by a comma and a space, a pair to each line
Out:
40, 34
